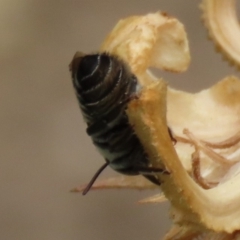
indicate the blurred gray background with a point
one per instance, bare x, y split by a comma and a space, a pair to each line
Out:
43, 146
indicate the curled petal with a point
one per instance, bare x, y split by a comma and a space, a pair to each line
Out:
154, 40
222, 24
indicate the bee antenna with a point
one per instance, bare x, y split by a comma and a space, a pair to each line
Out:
88, 187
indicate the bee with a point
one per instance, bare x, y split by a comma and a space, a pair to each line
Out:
104, 85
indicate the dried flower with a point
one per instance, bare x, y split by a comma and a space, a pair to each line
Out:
203, 186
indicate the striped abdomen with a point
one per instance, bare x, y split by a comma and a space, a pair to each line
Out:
104, 85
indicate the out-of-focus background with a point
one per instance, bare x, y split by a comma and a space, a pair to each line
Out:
43, 146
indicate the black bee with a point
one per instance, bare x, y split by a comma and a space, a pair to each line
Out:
104, 85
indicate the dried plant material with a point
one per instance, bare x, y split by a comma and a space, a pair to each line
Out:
221, 21
204, 164
217, 208
181, 233
159, 198
121, 182
196, 172
211, 202
189, 233
154, 40
200, 145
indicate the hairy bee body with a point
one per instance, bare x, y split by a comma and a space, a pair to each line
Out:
104, 86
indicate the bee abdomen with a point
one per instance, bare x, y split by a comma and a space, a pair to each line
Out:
104, 85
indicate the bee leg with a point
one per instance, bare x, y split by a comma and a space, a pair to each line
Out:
174, 140
133, 96
149, 173
88, 187
128, 99
151, 170
153, 179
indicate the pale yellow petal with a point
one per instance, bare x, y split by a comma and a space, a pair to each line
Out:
221, 21
159, 198
154, 40
217, 208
